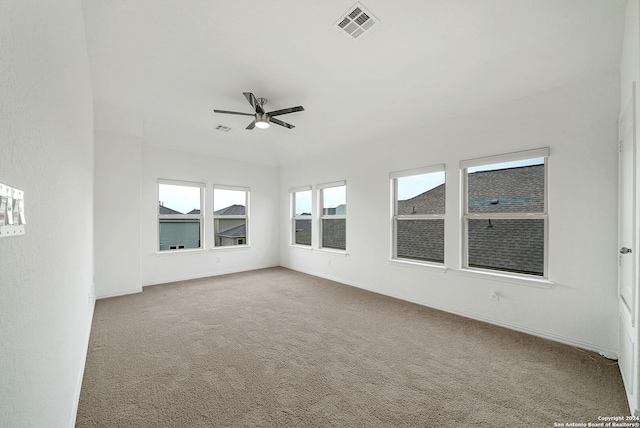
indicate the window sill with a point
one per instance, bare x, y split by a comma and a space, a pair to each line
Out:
301, 247
182, 251
505, 277
419, 265
230, 247
332, 251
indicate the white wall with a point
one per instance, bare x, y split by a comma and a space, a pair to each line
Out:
118, 159
126, 222
46, 149
264, 205
578, 122
630, 61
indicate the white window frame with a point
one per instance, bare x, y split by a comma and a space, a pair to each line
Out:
322, 216
199, 217
293, 193
247, 193
544, 153
395, 217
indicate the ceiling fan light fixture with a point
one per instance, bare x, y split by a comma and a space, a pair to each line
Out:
262, 121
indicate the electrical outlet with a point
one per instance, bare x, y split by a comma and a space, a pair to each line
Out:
494, 295
218, 260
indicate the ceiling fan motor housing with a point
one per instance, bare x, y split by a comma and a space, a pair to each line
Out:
262, 120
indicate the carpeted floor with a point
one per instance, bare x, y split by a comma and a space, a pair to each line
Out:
277, 348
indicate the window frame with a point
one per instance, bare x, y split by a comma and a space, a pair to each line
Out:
293, 192
246, 216
395, 217
199, 217
321, 188
543, 153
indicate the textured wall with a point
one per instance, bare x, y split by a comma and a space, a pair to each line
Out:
46, 149
117, 214
578, 122
262, 250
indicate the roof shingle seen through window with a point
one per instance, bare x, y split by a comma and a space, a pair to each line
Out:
231, 210
510, 190
508, 245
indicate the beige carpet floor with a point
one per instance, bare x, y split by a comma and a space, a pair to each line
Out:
277, 348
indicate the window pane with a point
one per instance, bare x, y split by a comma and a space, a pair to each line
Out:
421, 239
421, 194
230, 231
182, 231
514, 187
303, 203
334, 233
302, 232
178, 199
334, 200
229, 202
507, 244
177, 234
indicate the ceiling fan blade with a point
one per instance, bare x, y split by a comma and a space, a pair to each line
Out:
254, 102
251, 125
285, 111
281, 123
233, 112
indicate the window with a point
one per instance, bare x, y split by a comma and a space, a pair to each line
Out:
179, 216
333, 221
418, 214
301, 216
230, 215
505, 213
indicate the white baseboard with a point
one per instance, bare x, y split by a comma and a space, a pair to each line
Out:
607, 353
206, 275
82, 366
181, 278
119, 293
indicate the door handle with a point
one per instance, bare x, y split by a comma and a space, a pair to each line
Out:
625, 250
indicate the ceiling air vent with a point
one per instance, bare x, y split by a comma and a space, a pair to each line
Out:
356, 21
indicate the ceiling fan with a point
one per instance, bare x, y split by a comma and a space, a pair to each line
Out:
262, 118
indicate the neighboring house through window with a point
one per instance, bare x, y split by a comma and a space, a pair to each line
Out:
333, 220
179, 215
230, 215
301, 216
418, 214
505, 213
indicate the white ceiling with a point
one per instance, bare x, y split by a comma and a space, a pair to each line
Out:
160, 67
